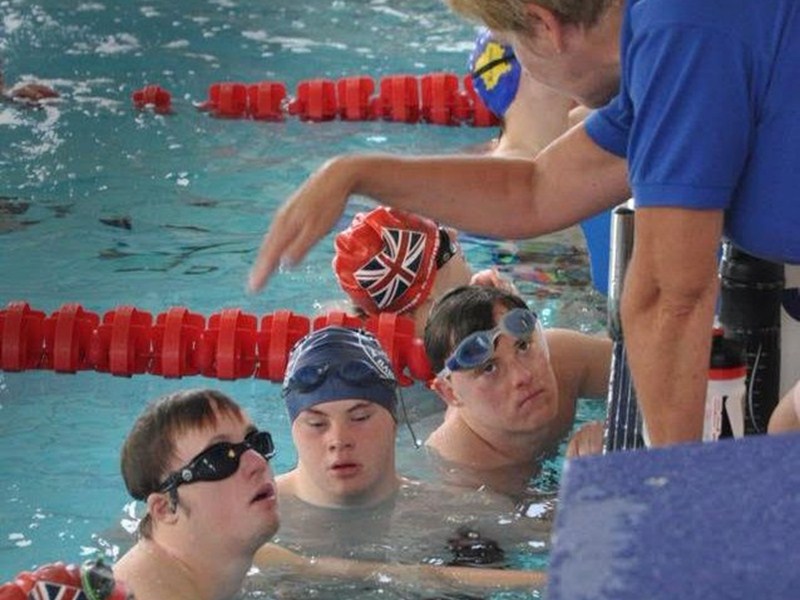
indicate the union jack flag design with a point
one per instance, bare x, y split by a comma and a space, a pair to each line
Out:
389, 274
45, 590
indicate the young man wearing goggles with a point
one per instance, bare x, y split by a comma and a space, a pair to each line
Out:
510, 387
203, 470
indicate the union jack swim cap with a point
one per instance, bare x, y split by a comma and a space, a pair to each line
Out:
386, 260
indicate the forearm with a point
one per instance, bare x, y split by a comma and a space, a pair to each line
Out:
463, 191
667, 314
504, 197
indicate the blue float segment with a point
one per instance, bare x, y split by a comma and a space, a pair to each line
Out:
718, 520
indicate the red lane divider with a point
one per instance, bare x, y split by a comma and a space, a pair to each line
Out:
436, 98
231, 344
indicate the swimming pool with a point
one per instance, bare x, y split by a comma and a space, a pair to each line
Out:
103, 205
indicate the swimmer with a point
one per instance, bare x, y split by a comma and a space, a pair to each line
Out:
388, 260
510, 387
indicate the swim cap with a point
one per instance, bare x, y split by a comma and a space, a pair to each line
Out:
495, 72
386, 260
337, 363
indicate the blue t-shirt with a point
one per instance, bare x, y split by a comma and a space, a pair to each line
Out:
708, 114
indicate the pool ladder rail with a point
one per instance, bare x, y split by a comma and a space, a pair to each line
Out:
230, 344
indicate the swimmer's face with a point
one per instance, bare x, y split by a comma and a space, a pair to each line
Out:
345, 453
513, 392
242, 508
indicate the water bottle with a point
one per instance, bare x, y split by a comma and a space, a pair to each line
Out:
724, 410
750, 313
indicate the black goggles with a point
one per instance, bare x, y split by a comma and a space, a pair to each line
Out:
219, 461
448, 248
359, 373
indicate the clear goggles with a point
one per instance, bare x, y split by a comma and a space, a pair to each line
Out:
479, 346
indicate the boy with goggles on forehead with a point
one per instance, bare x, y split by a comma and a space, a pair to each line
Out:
510, 386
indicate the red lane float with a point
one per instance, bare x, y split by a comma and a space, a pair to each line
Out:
155, 96
436, 98
231, 344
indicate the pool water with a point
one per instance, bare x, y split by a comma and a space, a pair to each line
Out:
103, 205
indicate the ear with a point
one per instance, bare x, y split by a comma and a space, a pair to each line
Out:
160, 508
445, 390
546, 25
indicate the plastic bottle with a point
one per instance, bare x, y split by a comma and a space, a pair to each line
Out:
724, 410
750, 313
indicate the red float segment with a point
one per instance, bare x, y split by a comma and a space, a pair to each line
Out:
479, 115
442, 103
315, 100
68, 338
227, 99
279, 332
354, 95
175, 337
155, 96
227, 349
121, 343
265, 100
398, 99
22, 336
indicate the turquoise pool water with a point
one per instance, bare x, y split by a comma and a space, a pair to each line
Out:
103, 205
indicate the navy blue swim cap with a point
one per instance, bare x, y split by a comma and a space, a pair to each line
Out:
495, 72
337, 363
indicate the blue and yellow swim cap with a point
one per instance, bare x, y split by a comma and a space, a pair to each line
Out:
495, 72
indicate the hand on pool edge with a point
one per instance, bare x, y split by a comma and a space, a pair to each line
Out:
304, 219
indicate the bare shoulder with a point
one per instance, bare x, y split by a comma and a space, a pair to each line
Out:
566, 343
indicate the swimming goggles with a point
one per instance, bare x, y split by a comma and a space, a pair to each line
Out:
219, 461
478, 347
359, 373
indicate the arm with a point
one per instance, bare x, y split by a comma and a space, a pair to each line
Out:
667, 313
572, 179
588, 440
582, 362
273, 556
786, 416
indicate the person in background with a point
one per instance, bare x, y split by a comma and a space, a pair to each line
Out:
532, 115
698, 170
26, 91
391, 261
510, 386
786, 416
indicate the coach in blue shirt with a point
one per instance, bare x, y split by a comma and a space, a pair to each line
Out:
699, 120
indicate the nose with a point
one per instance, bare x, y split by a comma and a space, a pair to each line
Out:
523, 369
339, 436
253, 463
